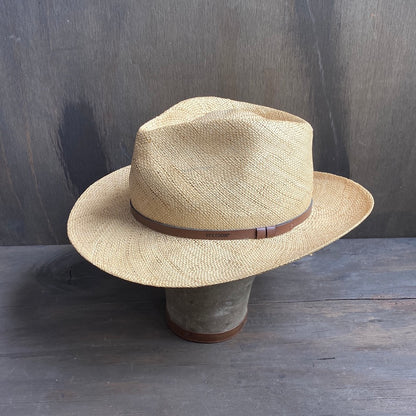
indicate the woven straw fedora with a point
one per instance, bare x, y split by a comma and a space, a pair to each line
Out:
218, 190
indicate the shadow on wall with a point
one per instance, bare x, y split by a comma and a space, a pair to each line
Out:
80, 146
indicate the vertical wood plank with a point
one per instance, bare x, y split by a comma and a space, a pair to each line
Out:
78, 79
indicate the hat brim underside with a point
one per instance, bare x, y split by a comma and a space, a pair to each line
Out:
103, 230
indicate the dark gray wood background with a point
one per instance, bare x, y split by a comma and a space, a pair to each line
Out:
78, 78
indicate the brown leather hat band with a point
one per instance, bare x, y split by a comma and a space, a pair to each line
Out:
253, 233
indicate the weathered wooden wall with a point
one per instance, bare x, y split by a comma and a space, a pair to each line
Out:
78, 78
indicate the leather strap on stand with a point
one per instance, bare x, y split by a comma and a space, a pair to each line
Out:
203, 338
251, 233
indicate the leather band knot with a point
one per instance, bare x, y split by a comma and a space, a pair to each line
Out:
253, 233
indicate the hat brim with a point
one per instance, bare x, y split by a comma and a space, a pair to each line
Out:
103, 230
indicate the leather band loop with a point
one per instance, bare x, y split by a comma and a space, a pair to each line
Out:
252, 233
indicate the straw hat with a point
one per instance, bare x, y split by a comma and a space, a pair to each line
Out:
218, 190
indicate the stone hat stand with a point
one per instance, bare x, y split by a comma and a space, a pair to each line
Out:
208, 314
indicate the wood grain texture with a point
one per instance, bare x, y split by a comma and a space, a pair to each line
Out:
333, 333
78, 79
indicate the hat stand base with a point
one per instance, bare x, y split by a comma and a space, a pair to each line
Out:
208, 314
203, 338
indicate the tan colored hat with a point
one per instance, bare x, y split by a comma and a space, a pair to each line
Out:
218, 190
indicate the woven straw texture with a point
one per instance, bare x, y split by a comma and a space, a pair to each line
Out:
216, 164
103, 231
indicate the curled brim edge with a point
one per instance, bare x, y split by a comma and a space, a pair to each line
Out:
103, 230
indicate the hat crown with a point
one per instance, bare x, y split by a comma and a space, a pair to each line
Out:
217, 164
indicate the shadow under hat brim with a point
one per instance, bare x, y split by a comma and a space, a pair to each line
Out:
103, 230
